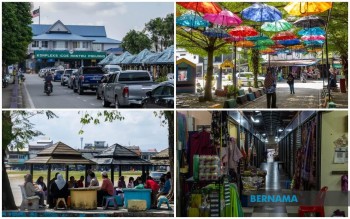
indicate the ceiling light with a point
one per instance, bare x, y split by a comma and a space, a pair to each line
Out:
280, 130
255, 121
263, 134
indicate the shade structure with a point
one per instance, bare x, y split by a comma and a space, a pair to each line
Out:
161, 158
216, 32
202, 7
243, 31
312, 31
313, 37
285, 35
224, 18
107, 59
119, 59
289, 42
277, 46
261, 12
310, 21
192, 20
267, 42
244, 44
276, 26
141, 56
307, 8
314, 50
260, 36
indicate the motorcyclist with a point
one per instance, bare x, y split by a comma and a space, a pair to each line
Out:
48, 80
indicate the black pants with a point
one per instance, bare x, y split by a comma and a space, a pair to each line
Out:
273, 97
100, 194
41, 195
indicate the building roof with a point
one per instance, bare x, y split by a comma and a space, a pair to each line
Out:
128, 59
104, 40
82, 30
141, 56
120, 58
118, 50
60, 36
107, 59
161, 159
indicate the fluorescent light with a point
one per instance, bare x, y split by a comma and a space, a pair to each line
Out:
280, 130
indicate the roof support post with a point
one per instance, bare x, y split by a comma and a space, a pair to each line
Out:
31, 169
48, 178
67, 169
147, 170
120, 170
143, 176
112, 173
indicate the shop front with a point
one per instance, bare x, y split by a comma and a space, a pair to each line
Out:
261, 163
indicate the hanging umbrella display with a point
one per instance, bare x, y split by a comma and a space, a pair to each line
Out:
289, 42
295, 47
260, 36
268, 51
307, 8
314, 42
202, 7
232, 39
243, 31
276, 26
313, 37
312, 31
224, 18
277, 46
261, 12
285, 35
267, 42
216, 33
309, 22
192, 20
244, 44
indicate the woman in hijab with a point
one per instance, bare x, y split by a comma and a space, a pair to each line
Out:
270, 86
59, 189
31, 190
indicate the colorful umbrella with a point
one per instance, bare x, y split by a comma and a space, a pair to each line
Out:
277, 26
224, 18
296, 47
310, 21
260, 36
216, 33
285, 35
243, 31
267, 42
244, 44
261, 12
268, 51
313, 37
307, 8
277, 46
192, 20
203, 7
314, 42
289, 42
233, 39
312, 31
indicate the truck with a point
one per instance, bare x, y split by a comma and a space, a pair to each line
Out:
87, 78
126, 88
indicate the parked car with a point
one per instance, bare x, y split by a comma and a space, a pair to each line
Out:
170, 76
87, 78
42, 72
156, 175
162, 96
65, 76
243, 78
57, 75
127, 88
101, 85
111, 68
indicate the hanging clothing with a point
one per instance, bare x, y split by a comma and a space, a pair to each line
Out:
234, 155
219, 135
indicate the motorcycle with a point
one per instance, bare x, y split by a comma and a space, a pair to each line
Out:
48, 88
5, 81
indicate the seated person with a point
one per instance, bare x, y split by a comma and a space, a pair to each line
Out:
94, 181
166, 188
40, 182
138, 181
151, 184
59, 189
72, 183
80, 182
107, 189
50, 200
131, 182
31, 190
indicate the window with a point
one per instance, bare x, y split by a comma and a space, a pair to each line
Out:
85, 45
134, 76
75, 45
96, 47
168, 91
60, 44
45, 44
35, 44
157, 91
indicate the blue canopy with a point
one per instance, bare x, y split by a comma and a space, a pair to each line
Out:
289, 42
119, 59
141, 56
192, 20
312, 31
107, 59
216, 32
261, 12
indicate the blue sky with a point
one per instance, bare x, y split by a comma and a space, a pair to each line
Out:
117, 17
140, 128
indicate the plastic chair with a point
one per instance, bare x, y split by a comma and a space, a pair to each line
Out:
108, 199
29, 202
319, 208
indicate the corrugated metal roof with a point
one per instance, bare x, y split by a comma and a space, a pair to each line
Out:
82, 30
120, 58
104, 40
164, 154
141, 56
59, 36
128, 59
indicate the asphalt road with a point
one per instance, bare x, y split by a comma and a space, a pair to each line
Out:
62, 96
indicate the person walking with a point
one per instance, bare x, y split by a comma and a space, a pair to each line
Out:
290, 81
270, 87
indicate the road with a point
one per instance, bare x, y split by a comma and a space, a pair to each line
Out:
62, 96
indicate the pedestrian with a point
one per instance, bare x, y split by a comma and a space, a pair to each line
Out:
121, 183
290, 81
94, 181
88, 178
270, 87
59, 189
40, 182
50, 200
72, 183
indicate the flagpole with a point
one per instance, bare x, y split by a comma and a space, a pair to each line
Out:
39, 15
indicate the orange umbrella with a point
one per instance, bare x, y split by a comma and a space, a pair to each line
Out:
268, 51
244, 44
307, 8
277, 46
203, 7
297, 47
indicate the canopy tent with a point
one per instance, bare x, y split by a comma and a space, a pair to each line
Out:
161, 158
141, 56
107, 59
120, 58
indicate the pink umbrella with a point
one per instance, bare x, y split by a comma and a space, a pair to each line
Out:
224, 18
313, 37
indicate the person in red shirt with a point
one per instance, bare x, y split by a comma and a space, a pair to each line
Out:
80, 182
107, 188
151, 184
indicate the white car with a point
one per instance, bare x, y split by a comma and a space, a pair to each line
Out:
170, 76
242, 77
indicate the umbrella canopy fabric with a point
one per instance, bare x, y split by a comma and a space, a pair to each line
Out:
289, 42
192, 20
268, 51
202, 7
261, 12
258, 37
243, 31
267, 42
285, 35
297, 47
314, 42
277, 46
313, 37
276, 26
312, 31
244, 44
224, 18
216, 32
307, 8
233, 39
310, 21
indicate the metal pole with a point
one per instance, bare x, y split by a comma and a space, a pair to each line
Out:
235, 72
39, 15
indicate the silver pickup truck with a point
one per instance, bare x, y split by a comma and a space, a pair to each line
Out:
127, 88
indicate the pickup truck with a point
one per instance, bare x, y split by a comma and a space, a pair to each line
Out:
127, 88
87, 78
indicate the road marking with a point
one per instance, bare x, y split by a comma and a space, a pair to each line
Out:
31, 104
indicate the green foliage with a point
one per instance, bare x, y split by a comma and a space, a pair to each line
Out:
107, 116
232, 90
161, 79
16, 32
135, 41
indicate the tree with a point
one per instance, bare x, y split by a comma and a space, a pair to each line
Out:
135, 41
16, 32
154, 27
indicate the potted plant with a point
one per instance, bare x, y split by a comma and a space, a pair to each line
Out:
231, 91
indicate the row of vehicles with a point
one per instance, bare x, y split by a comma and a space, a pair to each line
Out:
118, 88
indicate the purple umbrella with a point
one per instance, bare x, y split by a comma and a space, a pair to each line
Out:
224, 18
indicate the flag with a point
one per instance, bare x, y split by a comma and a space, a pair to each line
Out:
36, 12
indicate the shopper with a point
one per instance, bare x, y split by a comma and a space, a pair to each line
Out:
270, 86
290, 81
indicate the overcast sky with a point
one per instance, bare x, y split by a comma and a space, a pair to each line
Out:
117, 17
140, 128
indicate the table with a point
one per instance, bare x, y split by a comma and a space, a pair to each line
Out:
84, 198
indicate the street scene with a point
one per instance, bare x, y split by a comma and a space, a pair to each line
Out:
91, 164
78, 59
273, 55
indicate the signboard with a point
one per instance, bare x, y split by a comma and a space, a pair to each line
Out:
69, 55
